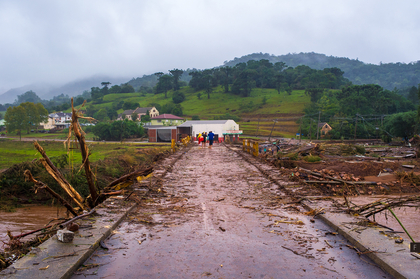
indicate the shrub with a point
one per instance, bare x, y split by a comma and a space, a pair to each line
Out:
360, 149
312, 158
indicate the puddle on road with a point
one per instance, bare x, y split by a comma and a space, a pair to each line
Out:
27, 218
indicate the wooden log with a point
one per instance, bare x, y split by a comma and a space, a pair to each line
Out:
56, 174
42, 185
326, 176
338, 182
85, 151
62, 225
62, 183
141, 172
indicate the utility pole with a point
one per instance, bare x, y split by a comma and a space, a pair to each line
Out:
258, 127
355, 128
317, 126
300, 129
310, 126
274, 122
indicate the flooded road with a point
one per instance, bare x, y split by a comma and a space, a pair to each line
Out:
221, 218
27, 218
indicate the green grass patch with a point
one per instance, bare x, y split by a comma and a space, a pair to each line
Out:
312, 158
14, 152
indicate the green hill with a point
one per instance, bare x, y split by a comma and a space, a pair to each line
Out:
284, 108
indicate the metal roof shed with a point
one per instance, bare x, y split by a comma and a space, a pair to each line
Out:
218, 127
162, 134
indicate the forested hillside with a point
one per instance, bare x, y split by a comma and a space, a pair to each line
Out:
389, 75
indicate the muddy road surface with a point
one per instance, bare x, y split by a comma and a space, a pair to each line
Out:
219, 217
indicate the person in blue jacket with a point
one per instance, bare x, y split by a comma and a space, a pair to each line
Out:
210, 137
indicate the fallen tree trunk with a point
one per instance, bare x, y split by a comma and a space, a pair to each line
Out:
56, 174
41, 185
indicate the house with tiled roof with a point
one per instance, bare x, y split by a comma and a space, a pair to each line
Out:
153, 112
166, 119
324, 128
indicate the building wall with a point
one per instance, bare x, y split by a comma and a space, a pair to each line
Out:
152, 135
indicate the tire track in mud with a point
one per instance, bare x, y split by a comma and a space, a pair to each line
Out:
219, 217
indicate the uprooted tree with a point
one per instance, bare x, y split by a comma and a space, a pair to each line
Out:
95, 197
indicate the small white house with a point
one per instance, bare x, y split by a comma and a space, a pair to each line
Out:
61, 117
220, 128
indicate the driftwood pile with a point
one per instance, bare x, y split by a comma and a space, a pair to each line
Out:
370, 209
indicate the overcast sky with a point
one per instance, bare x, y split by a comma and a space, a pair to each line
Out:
63, 40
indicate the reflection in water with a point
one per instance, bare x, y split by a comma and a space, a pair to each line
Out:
27, 219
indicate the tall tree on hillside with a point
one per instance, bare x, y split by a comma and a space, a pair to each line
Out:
412, 95
105, 84
127, 88
176, 73
28, 96
227, 74
164, 84
16, 120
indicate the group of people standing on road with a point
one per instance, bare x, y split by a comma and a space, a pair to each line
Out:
204, 137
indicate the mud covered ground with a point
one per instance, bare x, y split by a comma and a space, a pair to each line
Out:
215, 215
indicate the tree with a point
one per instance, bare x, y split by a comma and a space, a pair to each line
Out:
412, 95
146, 117
112, 114
314, 93
134, 116
117, 130
101, 115
178, 97
401, 124
78, 100
36, 114
127, 88
96, 93
28, 96
105, 84
164, 84
227, 71
130, 105
16, 120
115, 89
176, 73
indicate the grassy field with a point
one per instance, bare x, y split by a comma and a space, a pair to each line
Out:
13, 152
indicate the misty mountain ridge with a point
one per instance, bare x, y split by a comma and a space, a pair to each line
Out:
47, 91
389, 76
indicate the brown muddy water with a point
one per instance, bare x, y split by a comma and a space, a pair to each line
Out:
27, 219
409, 216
